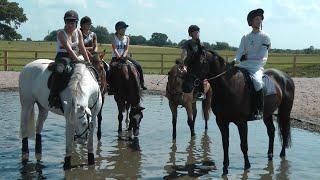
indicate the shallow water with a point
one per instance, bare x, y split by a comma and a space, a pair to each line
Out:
153, 155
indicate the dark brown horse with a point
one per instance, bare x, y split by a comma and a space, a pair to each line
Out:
231, 102
177, 97
125, 81
97, 63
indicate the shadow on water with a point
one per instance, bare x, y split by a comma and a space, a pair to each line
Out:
192, 166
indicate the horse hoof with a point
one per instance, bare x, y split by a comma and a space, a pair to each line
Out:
25, 157
225, 172
193, 134
270, 157
38, 156
99, 136
67, 163
247, 166
136, 132
90, 159
282, 154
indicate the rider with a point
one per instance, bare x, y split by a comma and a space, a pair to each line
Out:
120, 48
89, 37
191, 55
69, 42
253, 54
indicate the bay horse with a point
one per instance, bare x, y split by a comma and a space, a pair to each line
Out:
125, 81
177, 97
81, 102
231, 102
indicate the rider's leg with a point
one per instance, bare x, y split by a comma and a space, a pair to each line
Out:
139, 68
258, 85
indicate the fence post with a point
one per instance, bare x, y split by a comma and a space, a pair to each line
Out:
227, 58
5, 60
161, 63
36, 55
294, 65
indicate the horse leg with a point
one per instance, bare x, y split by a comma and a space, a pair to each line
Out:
90, 142
243, 132
284, 125
190, 118
99, 120
121, 107
127, 115
42, 116
270, 128
224, 130
173, 108
26, 125
194, 108
69, 142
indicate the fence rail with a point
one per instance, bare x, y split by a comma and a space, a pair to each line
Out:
160, 61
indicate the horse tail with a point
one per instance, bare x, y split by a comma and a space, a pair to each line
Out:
206, 105
27, 123
287, 86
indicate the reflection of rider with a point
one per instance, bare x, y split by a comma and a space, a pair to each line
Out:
192, 51
69, 42
253, 53
120, 49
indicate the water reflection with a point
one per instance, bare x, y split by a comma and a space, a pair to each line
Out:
32, 170
198, 161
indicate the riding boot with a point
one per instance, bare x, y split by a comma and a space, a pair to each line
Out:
260, 103
54, 96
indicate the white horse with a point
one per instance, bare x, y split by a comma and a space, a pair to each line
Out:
81, 102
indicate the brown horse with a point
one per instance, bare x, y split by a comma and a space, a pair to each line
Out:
177, 97
232, 103
125, 81
97, 63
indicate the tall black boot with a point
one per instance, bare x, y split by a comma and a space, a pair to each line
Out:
54, 97
260, 103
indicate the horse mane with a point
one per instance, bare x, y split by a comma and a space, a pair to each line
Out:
75, 83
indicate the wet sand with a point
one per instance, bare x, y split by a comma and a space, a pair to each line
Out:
305, 113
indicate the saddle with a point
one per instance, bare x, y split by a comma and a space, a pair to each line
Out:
269, 87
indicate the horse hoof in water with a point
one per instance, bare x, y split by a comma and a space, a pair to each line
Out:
25, 157
247, 166
67, 163
136, 132
225, 172
38, 156
90, 159
270, 157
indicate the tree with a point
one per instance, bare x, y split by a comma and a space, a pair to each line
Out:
221, 46
11, 17
52, 36
103, 35
158, 39
134, 40
29, 39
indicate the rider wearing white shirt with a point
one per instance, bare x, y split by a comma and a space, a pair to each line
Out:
253, 53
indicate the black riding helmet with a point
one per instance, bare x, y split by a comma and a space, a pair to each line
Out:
71, 15
192, 29
120, 24
254, 13
85, 20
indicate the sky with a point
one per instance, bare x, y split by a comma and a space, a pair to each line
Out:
291, 24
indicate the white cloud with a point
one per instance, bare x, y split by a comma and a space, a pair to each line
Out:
146, 3
49, 3
103, 4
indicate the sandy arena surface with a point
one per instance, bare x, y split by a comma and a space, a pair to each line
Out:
306, 109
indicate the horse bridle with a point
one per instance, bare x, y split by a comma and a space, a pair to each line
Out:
86, 130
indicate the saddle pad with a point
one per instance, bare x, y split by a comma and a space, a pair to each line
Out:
269, 87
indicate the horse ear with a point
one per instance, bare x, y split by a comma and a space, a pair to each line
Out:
88, 111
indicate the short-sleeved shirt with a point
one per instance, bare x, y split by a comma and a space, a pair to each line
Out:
88, 39
120, 44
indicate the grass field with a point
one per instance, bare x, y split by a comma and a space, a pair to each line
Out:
150, 57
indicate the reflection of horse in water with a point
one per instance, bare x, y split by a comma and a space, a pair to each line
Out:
177, 97
231, 102
198, 161
125, 81
81, 102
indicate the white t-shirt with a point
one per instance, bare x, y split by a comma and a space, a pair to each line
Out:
120, 45
255, 46
74, 41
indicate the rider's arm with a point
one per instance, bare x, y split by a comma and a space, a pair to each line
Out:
114, 49
95, 43
184, 54
263, 51
65, 43
82, 48
126, 50
241, 50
